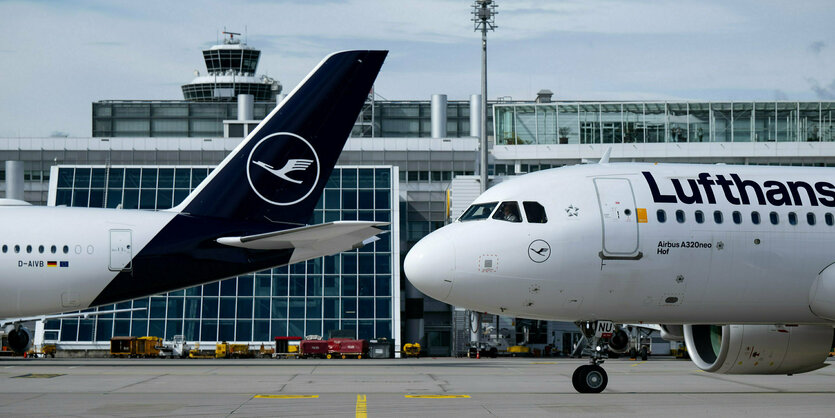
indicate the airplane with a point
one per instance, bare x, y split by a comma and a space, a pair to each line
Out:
240, 219
734, 260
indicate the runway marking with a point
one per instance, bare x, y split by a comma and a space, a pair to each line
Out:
543, 362
437, 396
362, 407
287, 396
638, 364
38, 375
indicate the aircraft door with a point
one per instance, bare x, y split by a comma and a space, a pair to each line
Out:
121, 252
619, 219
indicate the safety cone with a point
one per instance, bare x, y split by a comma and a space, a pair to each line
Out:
478, 354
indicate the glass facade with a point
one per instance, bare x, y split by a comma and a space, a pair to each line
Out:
356, 290
653, 122
390, 119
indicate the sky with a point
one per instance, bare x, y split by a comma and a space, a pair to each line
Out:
57, 57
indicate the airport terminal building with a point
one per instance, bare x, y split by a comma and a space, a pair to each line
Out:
399, 165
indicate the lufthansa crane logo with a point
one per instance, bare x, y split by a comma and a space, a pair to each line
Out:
283, 169
539, 251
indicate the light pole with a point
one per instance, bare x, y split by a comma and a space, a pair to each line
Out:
484, 19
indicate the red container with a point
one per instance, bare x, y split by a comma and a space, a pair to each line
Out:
345, 347
313, 348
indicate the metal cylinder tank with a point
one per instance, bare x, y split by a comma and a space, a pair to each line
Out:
246, 107
439, 103
14, 180
475, 115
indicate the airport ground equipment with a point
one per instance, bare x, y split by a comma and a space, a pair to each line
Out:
177, 347
197, 353
346, 347
48, 350
381, 348
313, 348
519, 351
411, 350
286, 347
122, 347
227, 350
148, 346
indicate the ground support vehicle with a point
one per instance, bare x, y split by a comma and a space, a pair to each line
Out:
411, 350
313, 348
286, 347
345, 347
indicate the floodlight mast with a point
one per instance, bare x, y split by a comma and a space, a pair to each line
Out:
484, 19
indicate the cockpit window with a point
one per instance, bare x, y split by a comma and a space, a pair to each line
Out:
508, 211
535, 213
478, 211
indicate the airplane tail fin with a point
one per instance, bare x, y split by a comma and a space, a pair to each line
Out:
278, 172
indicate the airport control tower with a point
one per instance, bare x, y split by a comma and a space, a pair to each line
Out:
231, 71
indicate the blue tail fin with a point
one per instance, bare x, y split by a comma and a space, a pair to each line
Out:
278, 172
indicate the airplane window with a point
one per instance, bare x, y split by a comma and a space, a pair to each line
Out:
737, 217
700, 217
535, 213
829, 219
662, 216
5, 248
680, 216
17, 248
810, 218
478, 211
792, 218
53, 249
508, 211
66, 249
717, 216
775, 218
755, 218
40, 249
28, 248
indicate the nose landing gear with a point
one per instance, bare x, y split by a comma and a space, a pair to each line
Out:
591, 378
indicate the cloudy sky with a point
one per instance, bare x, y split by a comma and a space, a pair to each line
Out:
57, 57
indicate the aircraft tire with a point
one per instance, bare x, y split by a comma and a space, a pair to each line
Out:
590, 378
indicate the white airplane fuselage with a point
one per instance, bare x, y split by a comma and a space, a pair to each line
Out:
611, 258
47, 282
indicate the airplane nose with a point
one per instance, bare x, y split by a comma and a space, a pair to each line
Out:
430, 266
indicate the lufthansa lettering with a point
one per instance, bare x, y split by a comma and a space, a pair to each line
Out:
738, 191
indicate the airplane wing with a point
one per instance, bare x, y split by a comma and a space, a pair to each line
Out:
312, 241
84, 315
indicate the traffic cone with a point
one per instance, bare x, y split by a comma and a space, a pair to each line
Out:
478, 354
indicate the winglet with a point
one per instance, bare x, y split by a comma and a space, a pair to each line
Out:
605, 158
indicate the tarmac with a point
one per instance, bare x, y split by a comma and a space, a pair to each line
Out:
424, 387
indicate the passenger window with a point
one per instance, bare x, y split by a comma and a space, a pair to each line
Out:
680, 216
717, 216
28, 248
662, 216
810, 218
40, 249
5, 248
829, 219
66, 249
535, 213
775, 218
53, 249
473, 213
755, 218
508, 211
700, 217
792, 218
17, 249
737, 217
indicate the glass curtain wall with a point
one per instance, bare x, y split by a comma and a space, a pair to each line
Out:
353, 290
652, 122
